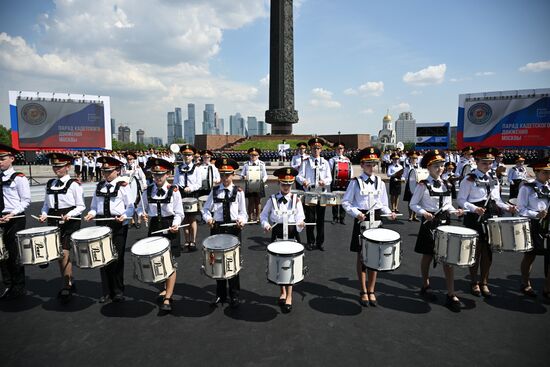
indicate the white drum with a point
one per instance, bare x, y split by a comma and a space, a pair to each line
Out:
327, 199
4, 254
221, 256
202, 201
455, 245
285, 262
152, 259
39, 245
311, 198
190, 205
339, 197
509, 234
381, 249
299, 193
253, 179
92, 247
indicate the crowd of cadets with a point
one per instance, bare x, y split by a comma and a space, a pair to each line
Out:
160, 204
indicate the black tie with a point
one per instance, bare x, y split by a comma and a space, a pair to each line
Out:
107, 201
369, 181
2, 205
316, 163
226, 210
437, 184
282, 199
160, 192
59, 183
253, 164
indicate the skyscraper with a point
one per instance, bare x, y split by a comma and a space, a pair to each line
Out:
236, 125
113, 131
178, 125
171, 117
189, 125
218, 126
262, 128
252, 123
405, 128
124, 134
140, 135
209, 119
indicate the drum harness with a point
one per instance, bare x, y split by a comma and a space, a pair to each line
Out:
159, 202
7, 183
55, 187
438, 218
185, 173
226, 202
284, 213
370, 223
108, 194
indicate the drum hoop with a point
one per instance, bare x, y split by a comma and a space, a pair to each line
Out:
219, 249
108, 234
510, 220
50, 231
461, 235
394, 242
296, 254
151, 255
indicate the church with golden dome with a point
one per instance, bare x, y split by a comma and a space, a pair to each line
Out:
387, 134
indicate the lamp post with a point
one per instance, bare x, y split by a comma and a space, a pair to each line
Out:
338, 137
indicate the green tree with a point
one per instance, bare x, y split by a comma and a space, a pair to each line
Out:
5, 135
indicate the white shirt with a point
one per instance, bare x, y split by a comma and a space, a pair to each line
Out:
517, 173
263, 172
529, 204
393, 168
297, 160
465, 162
476, 191
214, 210
275, 214
121, 204
204, 169
17, 195
73, 197
174, 207
193, 179
422, 201
365, 196
307, 172
410, 175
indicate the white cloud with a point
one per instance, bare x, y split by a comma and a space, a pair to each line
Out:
350, 92
372, 88
434, 74
535, 67
416, 92
403, 106
264, 82
367, 111
323, 98
485, 73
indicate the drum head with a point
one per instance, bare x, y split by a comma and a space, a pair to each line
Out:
507, 219
189, 200
285, 247
457, 230
381, 235
220, 242
203, 198
36, 230
150, 245
90, 232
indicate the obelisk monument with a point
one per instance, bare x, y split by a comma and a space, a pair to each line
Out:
281, 114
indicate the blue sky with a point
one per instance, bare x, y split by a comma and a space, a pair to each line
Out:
353, 59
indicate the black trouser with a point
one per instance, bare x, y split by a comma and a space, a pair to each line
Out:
234, 283
97, 174
315, 214
13, 274
156, 224
338, 212
84, 173
112, 275
277, 233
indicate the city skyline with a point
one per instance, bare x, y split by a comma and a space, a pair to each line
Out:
396, 55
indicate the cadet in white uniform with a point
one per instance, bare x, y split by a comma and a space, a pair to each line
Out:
254, 198
338, 214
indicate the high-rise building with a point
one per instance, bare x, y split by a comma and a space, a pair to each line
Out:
252, 123
209, 119
189, 125
113, 131
124, 134
218, 126
171, 117
178, 125
155, 141
140, 135
405, 128
262, 128
236, 125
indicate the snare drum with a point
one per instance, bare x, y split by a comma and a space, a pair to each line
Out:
253, 179
152, 259
190, 205
221, 256
4, 254
381, 249
339, 197
39, 245
327, 199
509, 234
455, 245
92, 247
202, 201
311, 198
285, 262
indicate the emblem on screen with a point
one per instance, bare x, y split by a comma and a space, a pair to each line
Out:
34, 114
480, 113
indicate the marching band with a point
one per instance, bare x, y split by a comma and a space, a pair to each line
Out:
167, 207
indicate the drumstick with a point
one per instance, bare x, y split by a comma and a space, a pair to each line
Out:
484, 207
104, 219
389, 215
55, 217
234, 224
165, 230
18, 216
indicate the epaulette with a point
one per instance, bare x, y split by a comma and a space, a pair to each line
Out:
424, 182
471, 177
239, 188
20, 174
174, 188
531, 184
123, 183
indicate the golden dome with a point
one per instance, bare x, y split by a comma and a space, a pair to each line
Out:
387, 117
